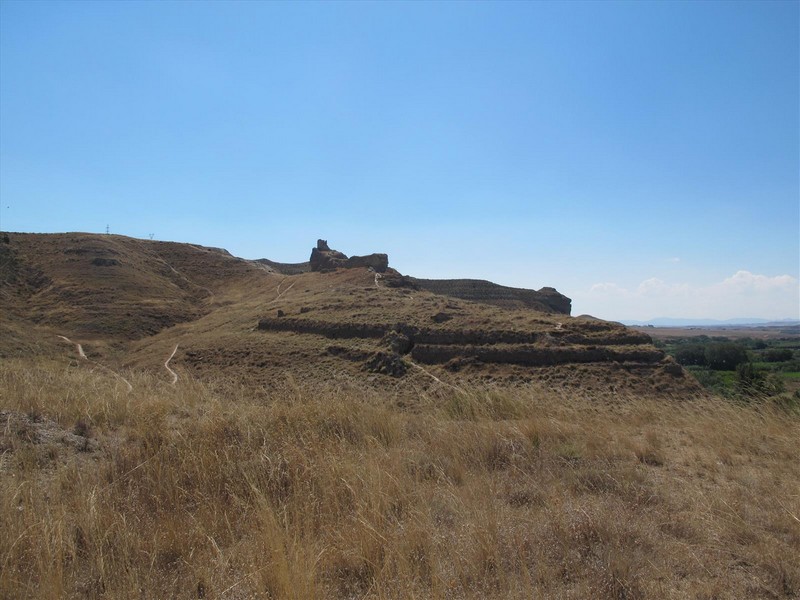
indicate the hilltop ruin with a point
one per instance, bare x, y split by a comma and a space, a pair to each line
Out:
348, 318
325, 259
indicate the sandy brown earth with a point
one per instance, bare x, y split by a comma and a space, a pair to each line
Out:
130, 302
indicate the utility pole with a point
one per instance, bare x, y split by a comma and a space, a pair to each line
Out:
151, 235
106, 229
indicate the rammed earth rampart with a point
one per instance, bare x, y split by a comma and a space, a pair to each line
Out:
438, 346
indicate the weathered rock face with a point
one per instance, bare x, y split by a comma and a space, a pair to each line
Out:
325, 259
378, 262
555, 300
546, 299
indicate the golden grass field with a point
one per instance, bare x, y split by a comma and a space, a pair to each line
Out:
311, 490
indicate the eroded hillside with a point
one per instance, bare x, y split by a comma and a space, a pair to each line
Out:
131, 302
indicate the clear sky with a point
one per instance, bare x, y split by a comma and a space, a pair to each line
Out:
643, 158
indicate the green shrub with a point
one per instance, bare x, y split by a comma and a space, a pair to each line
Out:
752, 382
748, 378
725, 356
691, 355
777, 354
711, 380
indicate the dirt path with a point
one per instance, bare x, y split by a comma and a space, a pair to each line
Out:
156, 256
278, 293
166, 366
82, 355
78, 347
434, 377
281, 293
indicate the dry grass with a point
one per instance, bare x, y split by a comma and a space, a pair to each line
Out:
312, 491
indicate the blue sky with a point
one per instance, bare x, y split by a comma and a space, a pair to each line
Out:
643, 158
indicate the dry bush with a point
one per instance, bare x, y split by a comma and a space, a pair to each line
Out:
306, 490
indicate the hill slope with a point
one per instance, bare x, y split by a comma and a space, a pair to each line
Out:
131, 302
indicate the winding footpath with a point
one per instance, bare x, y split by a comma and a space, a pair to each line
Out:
82, 355
78, 347
166, 366
281, 293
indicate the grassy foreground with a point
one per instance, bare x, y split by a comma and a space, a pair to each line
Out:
312, 491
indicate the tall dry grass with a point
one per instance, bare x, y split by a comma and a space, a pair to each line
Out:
313, 491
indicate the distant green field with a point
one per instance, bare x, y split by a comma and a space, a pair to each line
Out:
794, 344
771, 376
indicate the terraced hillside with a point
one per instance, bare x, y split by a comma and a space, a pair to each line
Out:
131, 302
182, 423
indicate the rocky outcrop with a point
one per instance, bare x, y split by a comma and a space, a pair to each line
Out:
386, 364
546, 299
555, 300
325, 259
377, 262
